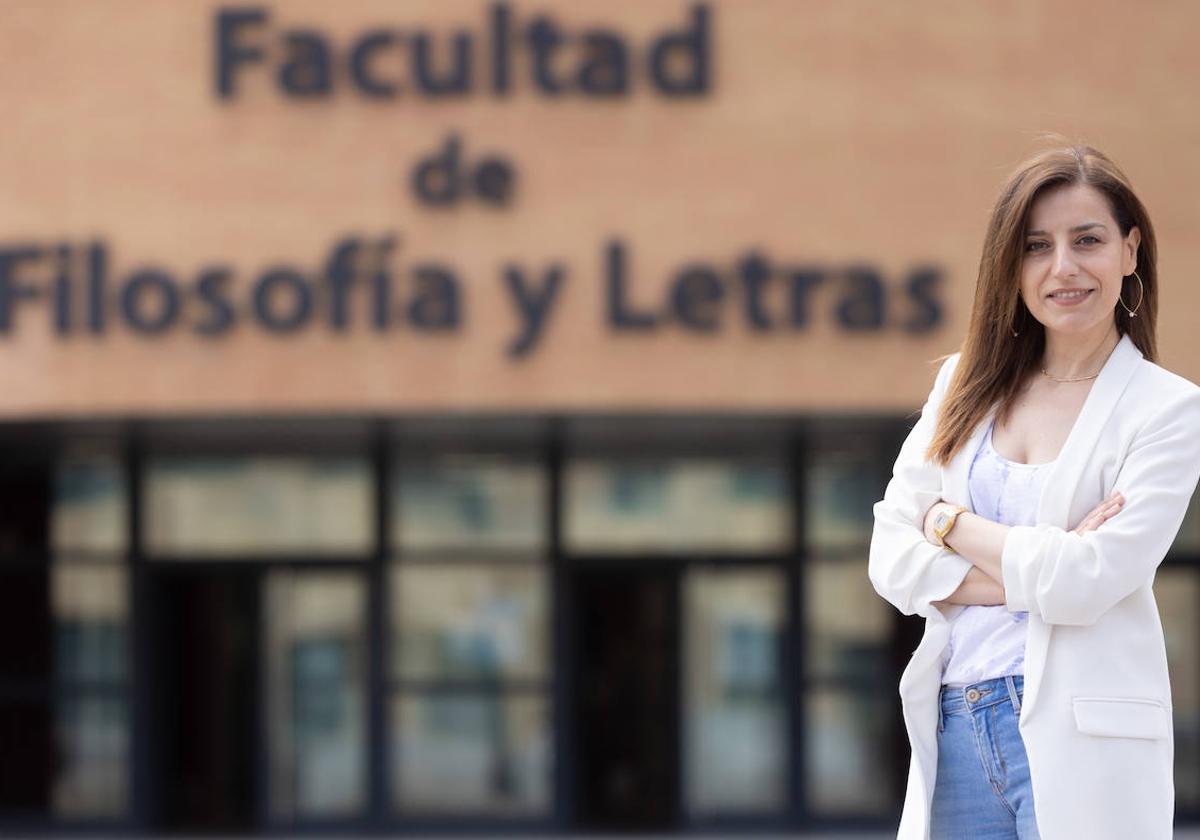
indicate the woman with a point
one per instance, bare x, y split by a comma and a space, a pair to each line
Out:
1029, 507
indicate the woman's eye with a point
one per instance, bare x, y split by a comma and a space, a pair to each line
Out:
1083, 240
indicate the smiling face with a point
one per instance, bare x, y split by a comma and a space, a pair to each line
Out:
1074, 260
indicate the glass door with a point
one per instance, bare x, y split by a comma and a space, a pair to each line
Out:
259, 708
626, 645
203, 710
259, 563
736, 742
315, 699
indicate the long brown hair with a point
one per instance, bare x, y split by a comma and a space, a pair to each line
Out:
994, 363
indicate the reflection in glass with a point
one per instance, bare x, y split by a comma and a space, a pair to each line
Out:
1177, 591
628, 504
848, 626
471, 752
316, 693
469, 621
92, 751
736, 731
237, 505
90, 605
466, 500
847, 755
89, 507
841, 488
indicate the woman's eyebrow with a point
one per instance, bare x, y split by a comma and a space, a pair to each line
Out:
1076, 229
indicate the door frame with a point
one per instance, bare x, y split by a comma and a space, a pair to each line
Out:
677, 565
258, 569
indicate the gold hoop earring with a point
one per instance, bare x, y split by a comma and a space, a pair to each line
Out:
1141, 297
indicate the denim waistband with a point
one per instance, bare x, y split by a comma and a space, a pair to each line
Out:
980, 695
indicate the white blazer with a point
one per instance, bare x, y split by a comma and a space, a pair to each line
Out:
1096, 716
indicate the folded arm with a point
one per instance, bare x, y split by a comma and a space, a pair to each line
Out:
908, 571
1067, 577
977, 590
978, 539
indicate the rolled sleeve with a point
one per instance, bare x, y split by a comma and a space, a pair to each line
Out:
905, 568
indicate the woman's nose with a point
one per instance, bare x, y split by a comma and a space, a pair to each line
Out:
1064, 263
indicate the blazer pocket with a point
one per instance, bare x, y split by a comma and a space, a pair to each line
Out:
1121, 717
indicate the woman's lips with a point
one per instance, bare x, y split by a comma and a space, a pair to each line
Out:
1071, 300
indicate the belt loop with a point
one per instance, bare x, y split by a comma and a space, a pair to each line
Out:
1012, 694
941, 722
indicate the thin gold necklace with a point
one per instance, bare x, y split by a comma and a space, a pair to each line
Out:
1079, 378
1074, 379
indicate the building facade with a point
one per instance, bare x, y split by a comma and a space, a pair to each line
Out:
467, 416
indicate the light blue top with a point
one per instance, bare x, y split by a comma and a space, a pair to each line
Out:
987, 642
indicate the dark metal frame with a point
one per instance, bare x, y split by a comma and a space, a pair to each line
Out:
379, 819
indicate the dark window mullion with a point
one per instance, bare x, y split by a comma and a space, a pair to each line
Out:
446, 685
378, 633
795, 673
292, 561
470, 555
139, 638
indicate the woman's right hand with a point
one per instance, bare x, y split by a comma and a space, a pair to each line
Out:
1101, 513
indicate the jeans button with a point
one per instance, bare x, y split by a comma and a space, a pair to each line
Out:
973, 695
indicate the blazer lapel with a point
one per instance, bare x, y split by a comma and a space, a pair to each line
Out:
1058, 490
1062, 481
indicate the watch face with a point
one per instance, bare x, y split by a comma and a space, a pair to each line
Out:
940, 520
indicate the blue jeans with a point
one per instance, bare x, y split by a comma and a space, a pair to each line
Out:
983, 790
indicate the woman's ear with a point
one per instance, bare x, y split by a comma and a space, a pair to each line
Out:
1132, 240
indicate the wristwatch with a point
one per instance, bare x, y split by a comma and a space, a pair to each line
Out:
943, 522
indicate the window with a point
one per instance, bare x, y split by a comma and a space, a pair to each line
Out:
64, 632
1177, 591
469, 672
283, 505
316, 693
626, 504
850, 702
736, 742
